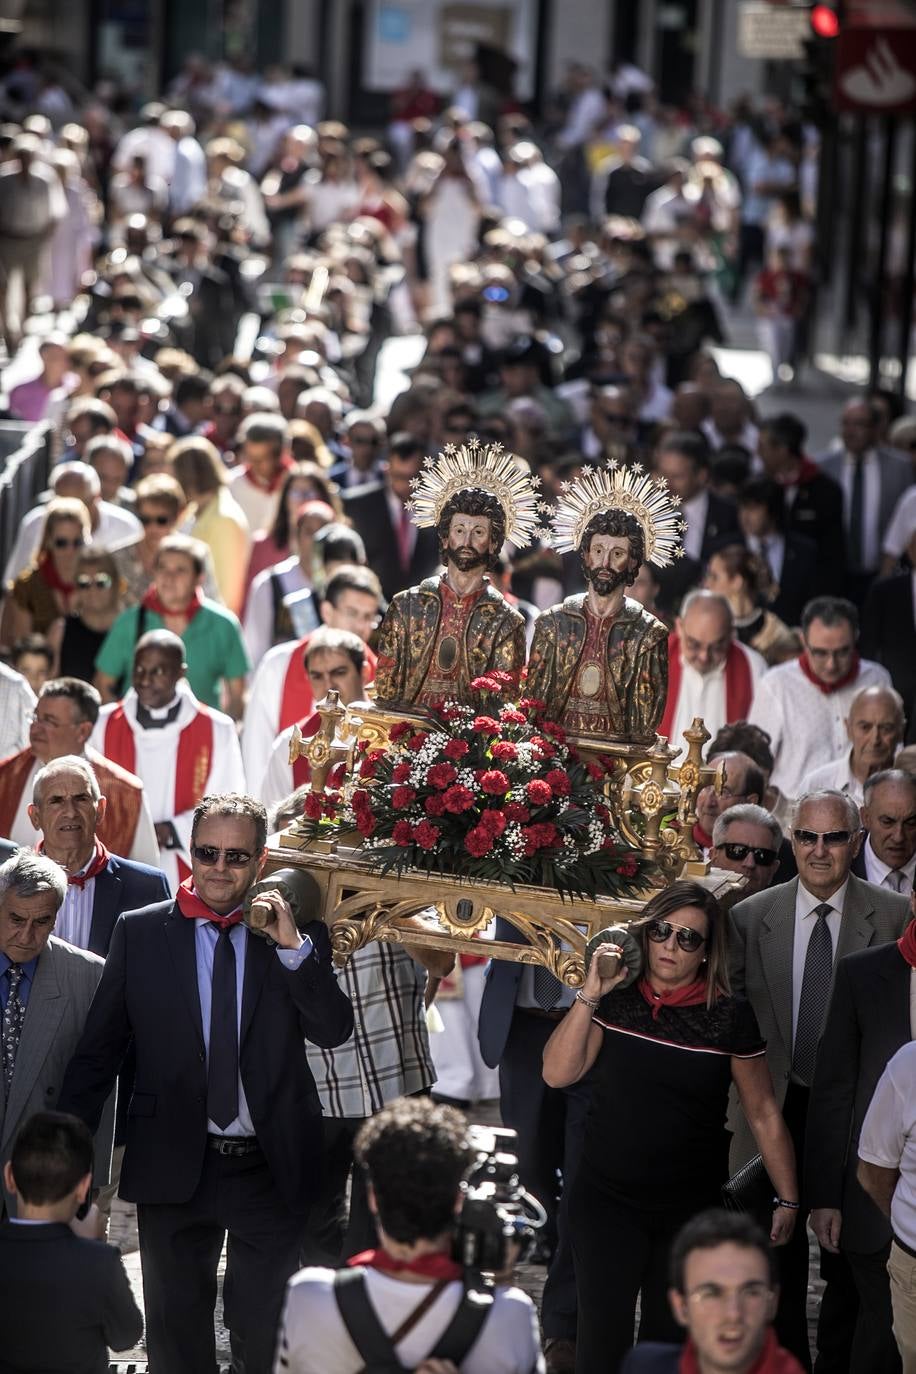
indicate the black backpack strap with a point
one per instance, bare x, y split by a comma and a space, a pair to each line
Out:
363, 1326
462, 1331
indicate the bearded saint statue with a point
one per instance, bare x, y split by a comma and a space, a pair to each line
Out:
599, 661
438, 637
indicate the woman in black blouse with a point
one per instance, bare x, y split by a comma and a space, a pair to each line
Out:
663, 1054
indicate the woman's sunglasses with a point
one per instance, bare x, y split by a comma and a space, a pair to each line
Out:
688, 940
162, 520
61, 543
102, 580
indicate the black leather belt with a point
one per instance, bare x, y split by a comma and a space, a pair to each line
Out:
902, 1245
233, 1144
543, 1014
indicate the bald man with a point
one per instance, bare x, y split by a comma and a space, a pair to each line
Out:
710, 674
180, 748
874, 728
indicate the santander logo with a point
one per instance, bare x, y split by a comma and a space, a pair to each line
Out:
880, 80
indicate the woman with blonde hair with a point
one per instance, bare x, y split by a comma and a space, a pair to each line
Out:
43, 592
744, 580
96, 604
215, 518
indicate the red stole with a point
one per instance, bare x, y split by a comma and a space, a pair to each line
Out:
123, 791
739, 685
14, 774
296, 699
192, 765
828, 688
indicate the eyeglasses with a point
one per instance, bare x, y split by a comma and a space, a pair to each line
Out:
823, 655
688, 939
711, 1296
101, 580
208, 855
35, 719
61, 543
833, 839
155, 520
739, 852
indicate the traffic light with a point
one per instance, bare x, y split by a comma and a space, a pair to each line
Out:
815, 73
825, 22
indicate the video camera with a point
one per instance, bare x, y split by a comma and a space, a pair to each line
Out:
498, 1219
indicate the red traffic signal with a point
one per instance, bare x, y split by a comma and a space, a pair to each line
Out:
825, 21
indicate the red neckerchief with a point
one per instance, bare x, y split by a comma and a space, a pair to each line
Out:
771, 1360
438, 1266
276, 481
828, 688
96, 864
701, 838
693, 995
807, 471
52, 578
190, 905
907, 944
152, 603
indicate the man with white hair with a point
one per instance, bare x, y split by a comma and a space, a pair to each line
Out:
875, 730
110, 524
46, 986
710, 674
888, 856
784, 945
746, 839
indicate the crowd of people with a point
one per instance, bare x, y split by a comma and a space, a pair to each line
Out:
196, 300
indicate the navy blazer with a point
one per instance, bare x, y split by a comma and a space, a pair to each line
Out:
65, 1301
868, 1021
149, 992
122, 885
497, 1005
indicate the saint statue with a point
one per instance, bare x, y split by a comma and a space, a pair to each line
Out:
599, 661
437, 637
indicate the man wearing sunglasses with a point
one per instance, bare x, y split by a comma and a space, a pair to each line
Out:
785, 942
746, 839
224, 1125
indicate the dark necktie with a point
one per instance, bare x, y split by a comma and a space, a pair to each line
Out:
856, 512
147, 721
546, 988
815, 990
11, 1031
223, 1065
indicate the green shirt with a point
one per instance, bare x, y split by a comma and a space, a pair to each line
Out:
213, 643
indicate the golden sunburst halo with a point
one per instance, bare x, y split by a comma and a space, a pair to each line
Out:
627, 489
473, 467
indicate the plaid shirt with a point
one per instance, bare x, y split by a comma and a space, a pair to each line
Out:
387, 1055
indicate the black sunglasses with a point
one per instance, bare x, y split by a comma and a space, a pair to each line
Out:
832, 838
208, 855
739, 852
100, 580
155, 519
688, 940
61, 543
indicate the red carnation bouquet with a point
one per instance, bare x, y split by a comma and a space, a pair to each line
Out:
493, 793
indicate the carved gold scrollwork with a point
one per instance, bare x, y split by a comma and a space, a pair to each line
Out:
463, 914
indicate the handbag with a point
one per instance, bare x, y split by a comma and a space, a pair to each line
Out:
750, 1190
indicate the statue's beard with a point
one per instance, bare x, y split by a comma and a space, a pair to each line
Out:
604, 581
465, 559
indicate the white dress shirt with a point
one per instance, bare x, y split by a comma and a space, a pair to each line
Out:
877, 871
74, 919
774, 553
694, 512
839, 776
805, 921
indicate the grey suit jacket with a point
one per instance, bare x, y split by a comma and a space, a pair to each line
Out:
761, 943
896, 475
61, 991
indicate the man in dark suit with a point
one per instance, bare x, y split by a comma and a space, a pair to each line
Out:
67, 809
224, 1125
814, 501
872, 479
783, 948
889, 634
888, 856
712, 521
399, 553
66, 1297
868, 1020
791, 558
519, 1011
